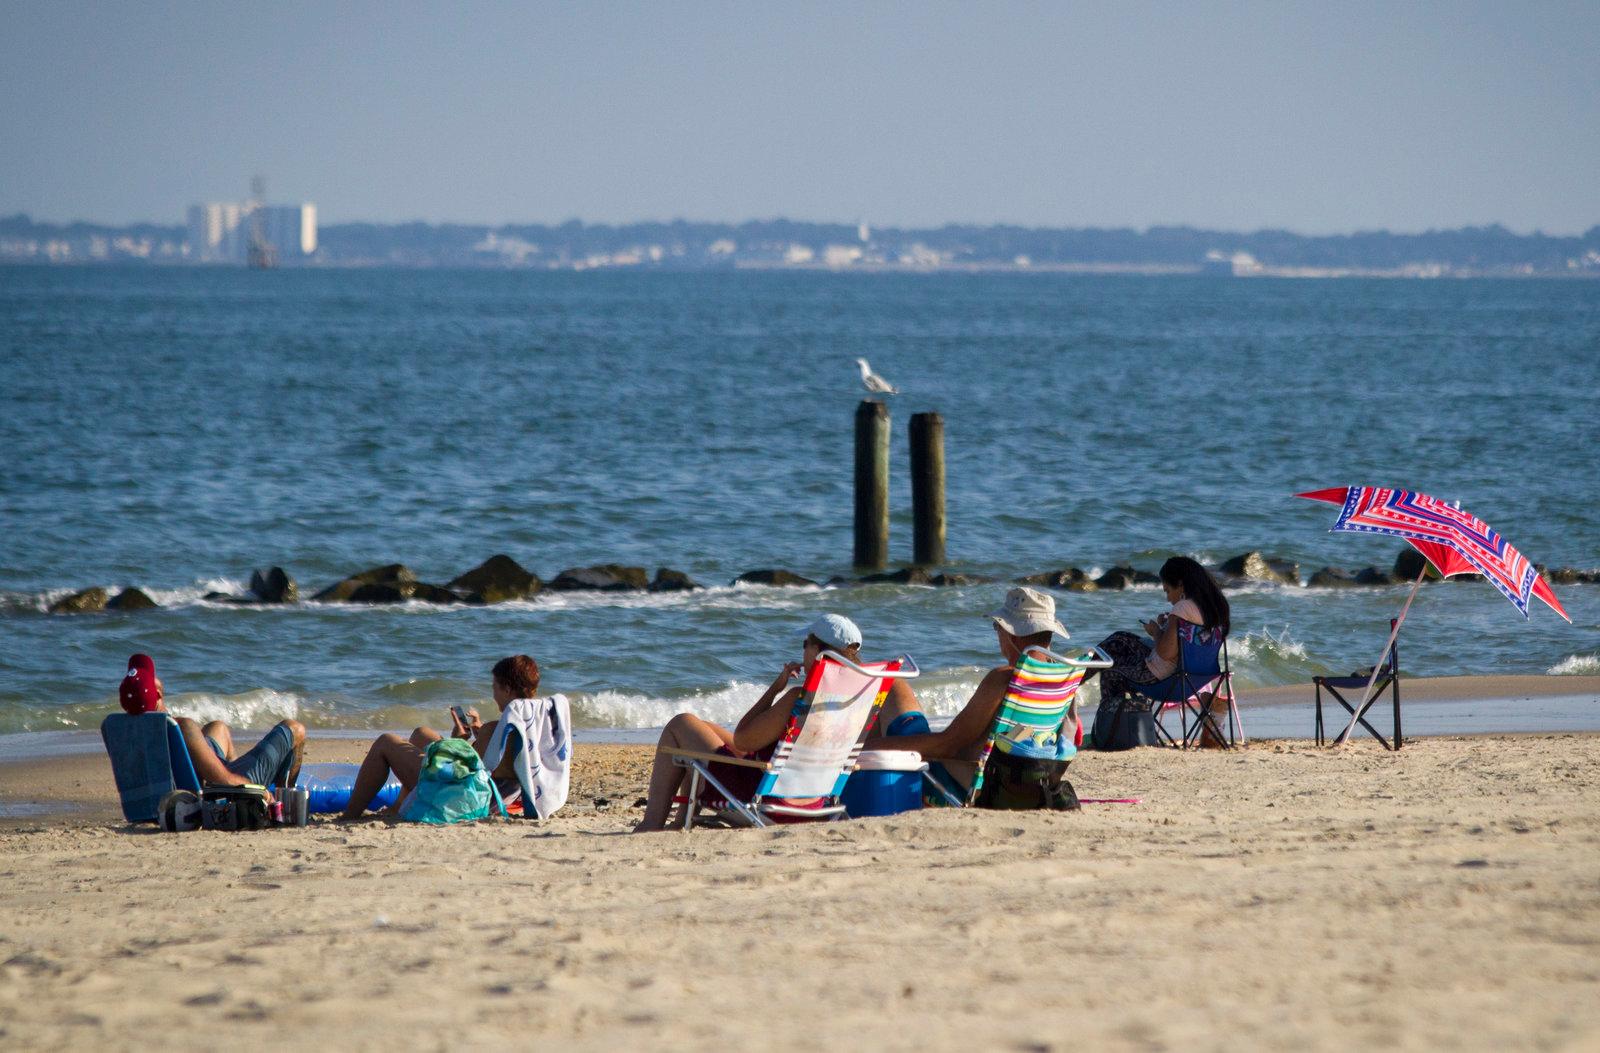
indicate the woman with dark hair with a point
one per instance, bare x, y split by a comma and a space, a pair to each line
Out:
1195, 598
512, 678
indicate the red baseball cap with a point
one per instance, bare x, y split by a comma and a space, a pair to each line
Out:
139, 692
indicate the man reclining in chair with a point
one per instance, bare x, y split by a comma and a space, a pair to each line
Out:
758, 731
1028, 619
274, 761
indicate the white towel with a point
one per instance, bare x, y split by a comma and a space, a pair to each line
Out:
544, 763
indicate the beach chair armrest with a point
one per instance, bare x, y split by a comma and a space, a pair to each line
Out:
710, 757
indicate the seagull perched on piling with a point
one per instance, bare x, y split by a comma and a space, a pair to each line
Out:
874, 383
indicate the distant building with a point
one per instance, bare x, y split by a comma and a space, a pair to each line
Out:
219, 231
292, 229
214, 232
840, 255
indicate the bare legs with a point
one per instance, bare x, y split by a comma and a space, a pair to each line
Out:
901, 699
390, 753
219, 733
684, 731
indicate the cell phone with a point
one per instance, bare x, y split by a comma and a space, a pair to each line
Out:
461, 715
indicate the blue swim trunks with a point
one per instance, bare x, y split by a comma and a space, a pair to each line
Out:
916, 723
267, 763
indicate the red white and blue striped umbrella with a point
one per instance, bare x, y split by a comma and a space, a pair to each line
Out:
1455, 542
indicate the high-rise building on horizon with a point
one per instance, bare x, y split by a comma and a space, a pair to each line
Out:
219, 231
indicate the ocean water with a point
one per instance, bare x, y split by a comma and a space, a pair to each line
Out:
173, 429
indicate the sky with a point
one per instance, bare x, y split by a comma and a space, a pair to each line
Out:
1314, 117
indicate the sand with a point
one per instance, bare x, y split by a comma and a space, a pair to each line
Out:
1278, 896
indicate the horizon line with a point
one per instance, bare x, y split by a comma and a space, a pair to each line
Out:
1144, 229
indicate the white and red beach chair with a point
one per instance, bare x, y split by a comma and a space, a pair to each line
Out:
812, 760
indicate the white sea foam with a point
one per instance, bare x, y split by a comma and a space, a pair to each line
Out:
260, 708
187, 594
1266, 644
941, 695
1576, 665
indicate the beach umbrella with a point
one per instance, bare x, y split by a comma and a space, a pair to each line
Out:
1452, 541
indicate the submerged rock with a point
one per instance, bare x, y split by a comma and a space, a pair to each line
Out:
673, 581
1333, 578
495, 580
605, 577
395, 574
903, 576
1253, 566
1373, 576
959, 579
1070, 578
132, 599
1122, 577
1570, 576
401, 591
275, 586
1409, 563
83, 601
772, 577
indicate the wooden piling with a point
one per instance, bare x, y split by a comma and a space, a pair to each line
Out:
872, 485
927, 488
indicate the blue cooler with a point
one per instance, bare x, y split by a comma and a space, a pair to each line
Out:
885, 782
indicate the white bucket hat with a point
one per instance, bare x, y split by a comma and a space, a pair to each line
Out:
1028, 611
835, 630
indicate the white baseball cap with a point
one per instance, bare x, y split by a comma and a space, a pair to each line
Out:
1028, 611
835, 630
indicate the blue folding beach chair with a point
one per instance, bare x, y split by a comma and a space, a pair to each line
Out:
1202, 679
148, 759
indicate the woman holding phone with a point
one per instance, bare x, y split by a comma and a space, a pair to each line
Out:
512, 678
1195, 598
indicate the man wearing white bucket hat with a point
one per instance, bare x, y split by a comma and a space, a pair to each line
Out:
1026, 619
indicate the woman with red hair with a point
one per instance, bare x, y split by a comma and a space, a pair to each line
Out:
512, 678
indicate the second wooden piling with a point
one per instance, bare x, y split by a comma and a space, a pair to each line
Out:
927, 488
872, 485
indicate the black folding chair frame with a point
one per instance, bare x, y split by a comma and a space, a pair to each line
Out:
1388, 681
1192, 706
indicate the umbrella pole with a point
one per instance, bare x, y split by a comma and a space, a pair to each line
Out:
1393, 634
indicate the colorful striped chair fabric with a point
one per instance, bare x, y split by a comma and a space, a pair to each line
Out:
817, 752
1032, 721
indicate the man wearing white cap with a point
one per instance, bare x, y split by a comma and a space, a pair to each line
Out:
758, 730
1026, 619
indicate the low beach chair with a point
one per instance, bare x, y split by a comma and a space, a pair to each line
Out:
1032, 719
1203, 678
1387, 682
537, 732
148, 760
816, 754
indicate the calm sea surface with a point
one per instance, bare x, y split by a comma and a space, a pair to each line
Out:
173, 429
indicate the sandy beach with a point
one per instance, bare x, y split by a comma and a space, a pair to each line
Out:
1277, 896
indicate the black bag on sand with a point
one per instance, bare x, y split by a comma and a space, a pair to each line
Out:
1120, 724
1026, 784
234, 808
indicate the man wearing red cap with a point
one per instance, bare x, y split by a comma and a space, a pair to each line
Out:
274, 761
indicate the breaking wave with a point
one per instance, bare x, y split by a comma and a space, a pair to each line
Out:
1576, 665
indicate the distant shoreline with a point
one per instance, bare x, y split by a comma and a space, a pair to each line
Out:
781, 244
1138, 270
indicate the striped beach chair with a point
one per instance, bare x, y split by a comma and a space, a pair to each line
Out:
1033, 718
816, 754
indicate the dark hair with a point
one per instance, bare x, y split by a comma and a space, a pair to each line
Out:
1199, 586
519, 674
